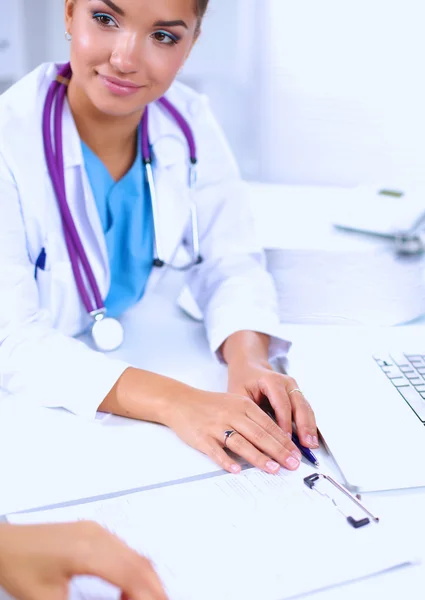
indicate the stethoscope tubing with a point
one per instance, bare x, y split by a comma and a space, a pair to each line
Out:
55, 165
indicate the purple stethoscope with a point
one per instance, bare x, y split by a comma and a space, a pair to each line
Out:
108, 333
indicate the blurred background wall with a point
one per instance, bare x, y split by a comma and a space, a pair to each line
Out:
308, 91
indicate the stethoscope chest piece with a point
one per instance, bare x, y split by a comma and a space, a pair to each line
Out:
108, 333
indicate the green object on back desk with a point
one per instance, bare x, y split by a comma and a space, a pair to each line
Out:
391, 193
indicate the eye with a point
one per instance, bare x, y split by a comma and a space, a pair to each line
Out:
104, 20
167, 39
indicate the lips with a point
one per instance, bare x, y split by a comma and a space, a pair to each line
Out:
121, 82
119, 87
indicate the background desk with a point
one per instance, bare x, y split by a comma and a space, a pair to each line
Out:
328, 276
162, 338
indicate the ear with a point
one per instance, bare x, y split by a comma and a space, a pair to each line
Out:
69, 13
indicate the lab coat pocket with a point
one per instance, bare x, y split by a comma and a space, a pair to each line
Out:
43, 284
59, 296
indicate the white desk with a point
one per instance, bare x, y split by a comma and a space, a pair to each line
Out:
190, 357
161, 338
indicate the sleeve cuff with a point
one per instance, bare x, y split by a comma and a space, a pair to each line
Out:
279, 346
96, 392
84, 395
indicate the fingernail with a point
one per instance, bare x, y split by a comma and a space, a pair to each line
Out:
315, 440
292, 463
235, 468
296, 454
271, 465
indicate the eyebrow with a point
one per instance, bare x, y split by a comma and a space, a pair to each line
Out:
119, 11
178, 23
114, 7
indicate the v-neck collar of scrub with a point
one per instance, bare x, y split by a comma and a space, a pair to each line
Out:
109, 181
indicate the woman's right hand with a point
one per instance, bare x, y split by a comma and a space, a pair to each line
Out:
37, 562
201, 419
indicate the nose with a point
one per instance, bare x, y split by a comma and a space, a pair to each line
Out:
127, 55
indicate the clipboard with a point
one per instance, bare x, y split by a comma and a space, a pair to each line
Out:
328, 487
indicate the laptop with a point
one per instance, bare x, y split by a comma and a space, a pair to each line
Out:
367, 388
370, 410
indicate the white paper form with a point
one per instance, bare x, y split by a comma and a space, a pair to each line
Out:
252, 536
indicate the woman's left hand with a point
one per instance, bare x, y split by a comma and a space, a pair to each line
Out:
256, 379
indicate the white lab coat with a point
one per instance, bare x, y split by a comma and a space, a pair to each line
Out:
40, 361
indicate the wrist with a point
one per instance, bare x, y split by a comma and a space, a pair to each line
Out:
144, 396
134, 400
246, 347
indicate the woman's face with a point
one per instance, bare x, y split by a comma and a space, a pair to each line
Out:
126, 53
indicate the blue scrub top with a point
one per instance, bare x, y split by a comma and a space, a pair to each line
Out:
126, 215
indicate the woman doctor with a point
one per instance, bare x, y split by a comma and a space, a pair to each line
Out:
95, 199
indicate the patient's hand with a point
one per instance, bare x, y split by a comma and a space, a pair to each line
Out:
38, 562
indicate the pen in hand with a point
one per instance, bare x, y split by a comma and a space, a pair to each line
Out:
306, 452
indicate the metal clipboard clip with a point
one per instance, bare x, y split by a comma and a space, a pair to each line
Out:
313, 479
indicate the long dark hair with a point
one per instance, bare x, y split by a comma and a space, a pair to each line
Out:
201, 8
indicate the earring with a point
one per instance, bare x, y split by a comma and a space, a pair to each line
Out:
68, 36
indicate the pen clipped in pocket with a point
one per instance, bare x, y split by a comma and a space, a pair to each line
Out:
40, 263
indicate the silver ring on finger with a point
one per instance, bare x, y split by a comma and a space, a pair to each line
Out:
228, 434
295, 390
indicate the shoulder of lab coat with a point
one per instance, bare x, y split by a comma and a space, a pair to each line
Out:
38, 364
231, 290
24, 100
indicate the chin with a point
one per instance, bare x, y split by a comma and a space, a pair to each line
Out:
116, 107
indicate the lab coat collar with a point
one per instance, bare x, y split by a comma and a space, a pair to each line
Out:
73, 156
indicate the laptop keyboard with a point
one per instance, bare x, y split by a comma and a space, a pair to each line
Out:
407, 373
